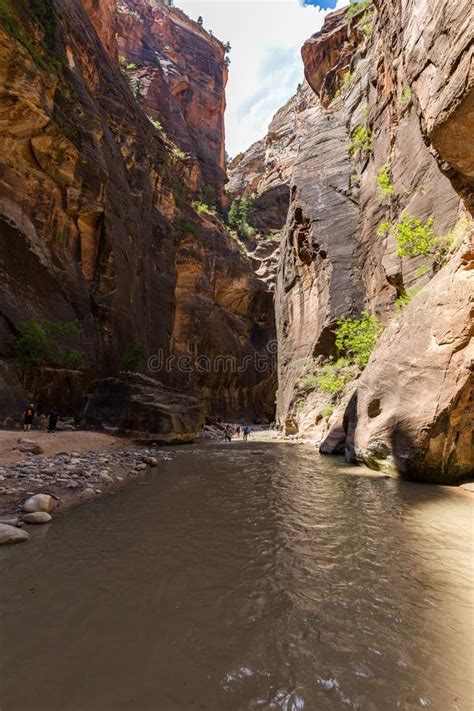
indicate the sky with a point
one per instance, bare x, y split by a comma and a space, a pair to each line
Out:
266, 67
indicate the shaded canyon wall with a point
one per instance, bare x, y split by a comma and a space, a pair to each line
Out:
96, 222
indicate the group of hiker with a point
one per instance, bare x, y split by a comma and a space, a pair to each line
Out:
231, 431
31, 414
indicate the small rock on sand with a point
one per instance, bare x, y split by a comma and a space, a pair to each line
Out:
37, 517
30, 448
151, 461
40, 502
10, 534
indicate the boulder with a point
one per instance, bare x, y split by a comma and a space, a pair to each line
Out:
10, 534
40, 502
29, 446
151, 461
414, 400
136, 405
10, 521
37, 517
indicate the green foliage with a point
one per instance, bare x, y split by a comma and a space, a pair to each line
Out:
327, 411
15, 16
413, 237
334, 377
157, 124
135, 89
300, 405
421, 271
331, 378
72, 358
405, 298
203, 209
356, 337
40, 343
246, 230
367, 28
383, 181
176, 155
405, 96
131, 359
361, 143
383, 229
308, 382
242, 246
448, 243
356, 6
346, 79
241, 213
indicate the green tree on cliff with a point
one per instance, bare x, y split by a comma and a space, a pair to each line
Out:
43, 342
241, 214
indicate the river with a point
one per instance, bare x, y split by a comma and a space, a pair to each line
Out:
239, 577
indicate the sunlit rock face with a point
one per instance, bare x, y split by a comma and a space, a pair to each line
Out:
413, 411
96, 222
180, 72
334, 263
433, 44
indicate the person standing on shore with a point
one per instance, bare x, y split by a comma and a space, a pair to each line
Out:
29, 417
53, 419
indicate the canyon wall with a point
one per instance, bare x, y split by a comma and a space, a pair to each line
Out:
390, 106
96, 221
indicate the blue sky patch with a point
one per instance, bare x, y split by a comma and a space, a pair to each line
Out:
323, 4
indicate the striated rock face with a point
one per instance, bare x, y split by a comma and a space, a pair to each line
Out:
433, 43
317, 282
327, 54
180, 72
265, 169
335, 262
415, 399
96, 224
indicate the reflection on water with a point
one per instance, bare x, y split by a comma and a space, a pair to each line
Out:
244, 577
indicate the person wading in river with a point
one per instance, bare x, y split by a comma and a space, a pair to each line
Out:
228, 434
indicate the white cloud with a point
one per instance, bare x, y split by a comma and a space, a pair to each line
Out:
266, 38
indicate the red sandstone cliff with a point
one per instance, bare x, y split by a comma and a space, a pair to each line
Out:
180, 74
96, 222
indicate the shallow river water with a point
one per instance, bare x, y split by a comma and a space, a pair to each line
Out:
251, 576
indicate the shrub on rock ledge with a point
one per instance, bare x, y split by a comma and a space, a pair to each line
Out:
356, 337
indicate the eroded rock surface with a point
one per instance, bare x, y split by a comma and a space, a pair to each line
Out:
383, 103
96, 223
415, 398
